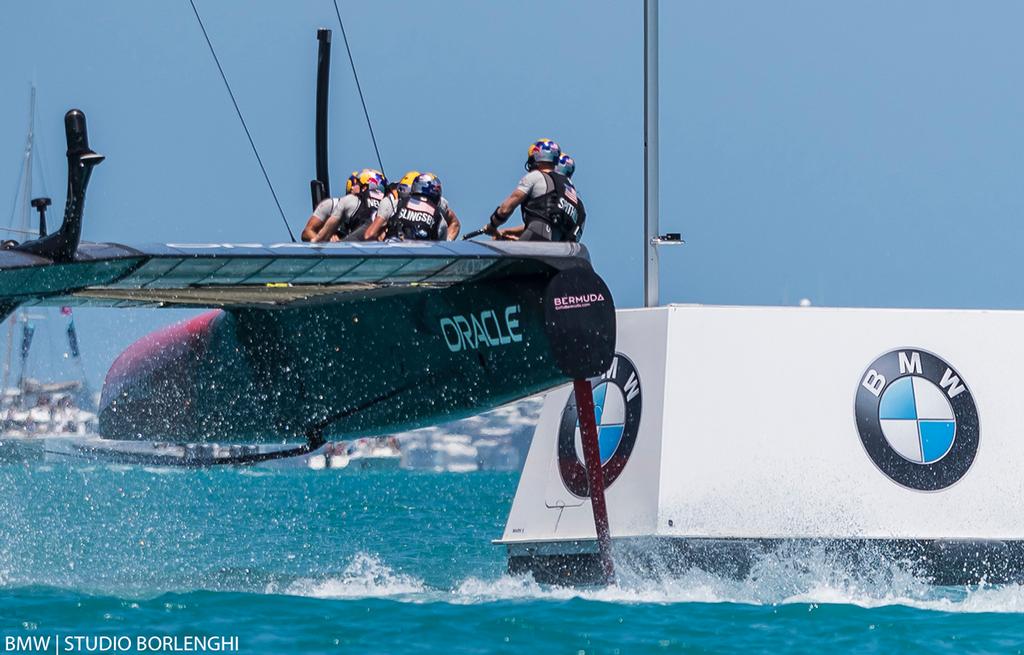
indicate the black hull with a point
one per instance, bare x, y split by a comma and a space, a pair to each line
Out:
941, 562
374, 365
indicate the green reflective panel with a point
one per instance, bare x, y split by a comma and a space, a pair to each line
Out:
421, 268
148, 272
462, 269
187, 273
374, 269
286, 269
328, 270
57, 278
237, 271
17, 281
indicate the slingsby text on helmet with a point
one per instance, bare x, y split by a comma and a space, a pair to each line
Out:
488, 328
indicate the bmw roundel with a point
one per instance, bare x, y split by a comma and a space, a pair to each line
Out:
917, 419
617, 404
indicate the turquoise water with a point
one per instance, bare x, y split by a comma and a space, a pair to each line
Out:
295, 561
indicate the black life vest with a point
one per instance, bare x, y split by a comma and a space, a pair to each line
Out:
416, 218
369, 201
559, 207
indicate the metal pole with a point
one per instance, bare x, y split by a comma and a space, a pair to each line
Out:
650, 152
595, 475
322, 185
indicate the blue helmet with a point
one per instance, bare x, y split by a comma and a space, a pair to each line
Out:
427, 185
542, 151
566, 165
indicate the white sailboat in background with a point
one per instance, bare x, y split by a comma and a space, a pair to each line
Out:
32, 408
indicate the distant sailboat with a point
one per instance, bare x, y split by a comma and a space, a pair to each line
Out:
31, 407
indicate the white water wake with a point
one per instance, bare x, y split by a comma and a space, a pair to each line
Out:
366, 576
776, 579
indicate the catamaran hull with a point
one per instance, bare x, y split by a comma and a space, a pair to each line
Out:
317, 340
371, 365
314, 341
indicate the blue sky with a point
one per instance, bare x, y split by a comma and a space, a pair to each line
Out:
853, 153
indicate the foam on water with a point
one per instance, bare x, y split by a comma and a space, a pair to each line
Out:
165, 470
777, 579
366, 576
701, 588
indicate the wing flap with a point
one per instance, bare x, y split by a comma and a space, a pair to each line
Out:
229, 275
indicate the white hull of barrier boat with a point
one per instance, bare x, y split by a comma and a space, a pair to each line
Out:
759, 424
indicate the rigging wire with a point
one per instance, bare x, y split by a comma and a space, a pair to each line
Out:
358, 87
242, 120
17, 231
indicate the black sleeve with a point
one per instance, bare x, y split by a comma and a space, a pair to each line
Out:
581, 221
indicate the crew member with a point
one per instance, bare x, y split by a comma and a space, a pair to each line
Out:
566, 165
327, 207
551, 208
423, 215
355, 211
402, 188
400, 191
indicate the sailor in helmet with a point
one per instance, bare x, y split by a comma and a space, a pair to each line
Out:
419, 216
329, 207
551, 207
353, 213
567, 166
401, 191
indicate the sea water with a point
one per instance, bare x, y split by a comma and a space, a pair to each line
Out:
301, 561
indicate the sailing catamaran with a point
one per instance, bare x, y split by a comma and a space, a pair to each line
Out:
409, 334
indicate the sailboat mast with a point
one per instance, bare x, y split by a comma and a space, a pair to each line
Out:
650, 153
25, 193
26, 196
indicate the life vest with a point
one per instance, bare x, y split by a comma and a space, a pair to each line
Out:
416, 218
369, 201
559, 207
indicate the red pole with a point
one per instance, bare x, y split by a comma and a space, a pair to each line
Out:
595, 476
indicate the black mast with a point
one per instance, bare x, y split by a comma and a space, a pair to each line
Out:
321, 186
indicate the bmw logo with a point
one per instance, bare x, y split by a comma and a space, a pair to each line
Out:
917, 419
617, 402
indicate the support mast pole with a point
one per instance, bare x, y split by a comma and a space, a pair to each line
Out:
595, 474
651, 182
321, 186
